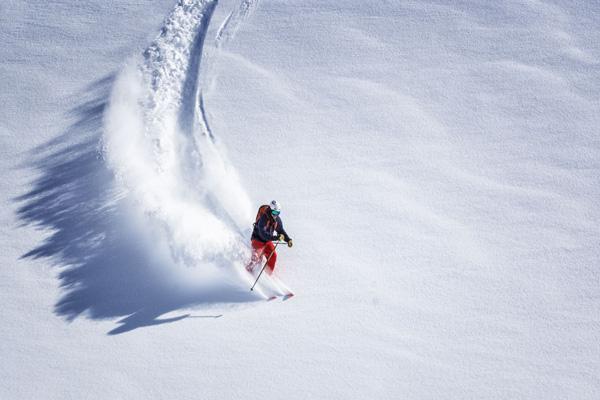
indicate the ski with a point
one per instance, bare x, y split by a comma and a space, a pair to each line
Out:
288, 296
283, 297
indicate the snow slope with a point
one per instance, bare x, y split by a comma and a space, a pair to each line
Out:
438, 164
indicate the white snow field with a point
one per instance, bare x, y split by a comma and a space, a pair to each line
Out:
438, 164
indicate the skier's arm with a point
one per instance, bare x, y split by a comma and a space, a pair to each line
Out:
282, 231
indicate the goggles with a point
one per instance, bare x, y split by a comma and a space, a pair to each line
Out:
275, 212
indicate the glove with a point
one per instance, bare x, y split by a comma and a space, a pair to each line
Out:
290, 244
281, 237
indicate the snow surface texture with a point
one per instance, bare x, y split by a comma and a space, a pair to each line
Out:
438, 164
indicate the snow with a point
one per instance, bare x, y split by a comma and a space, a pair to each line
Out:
438, 166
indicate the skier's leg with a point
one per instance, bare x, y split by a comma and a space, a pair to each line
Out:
271, 254
259, 249
257, 252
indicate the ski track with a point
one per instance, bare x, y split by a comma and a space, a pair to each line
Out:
231, 24
163, 151
145, 213
226, 32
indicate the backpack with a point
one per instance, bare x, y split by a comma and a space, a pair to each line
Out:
262, 210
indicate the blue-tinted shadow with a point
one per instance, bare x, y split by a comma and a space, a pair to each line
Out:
104, 272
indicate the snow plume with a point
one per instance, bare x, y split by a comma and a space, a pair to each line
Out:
185, 196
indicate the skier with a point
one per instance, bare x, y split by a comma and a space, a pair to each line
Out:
267, 228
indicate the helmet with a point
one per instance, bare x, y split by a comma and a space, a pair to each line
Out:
275, 207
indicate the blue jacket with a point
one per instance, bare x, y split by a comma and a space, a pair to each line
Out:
264, 229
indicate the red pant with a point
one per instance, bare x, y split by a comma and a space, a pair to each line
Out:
264, 249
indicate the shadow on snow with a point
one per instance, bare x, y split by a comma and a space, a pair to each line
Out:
104, 272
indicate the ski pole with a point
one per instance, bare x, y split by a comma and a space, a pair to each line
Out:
263, 268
